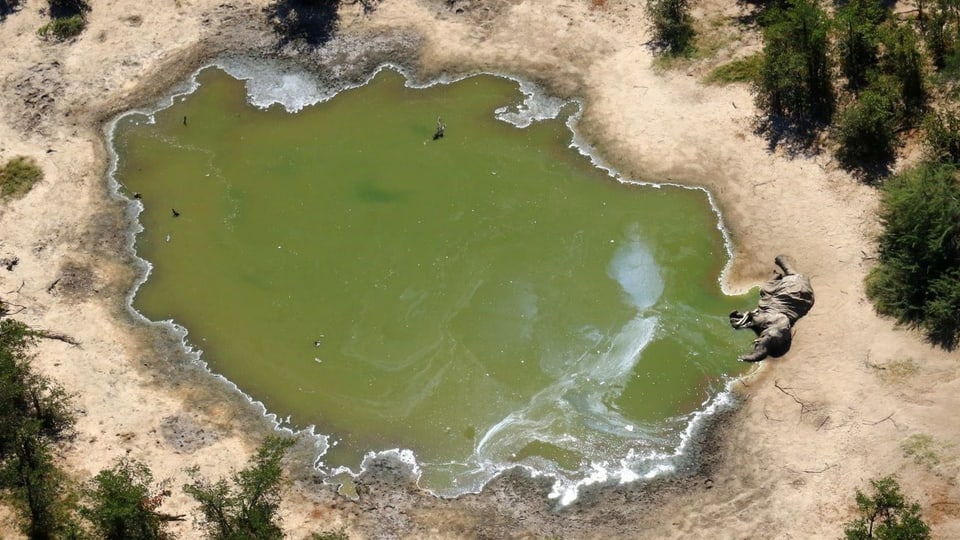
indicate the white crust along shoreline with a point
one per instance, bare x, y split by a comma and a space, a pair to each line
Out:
810, 428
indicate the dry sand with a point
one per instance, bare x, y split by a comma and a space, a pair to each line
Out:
855, 399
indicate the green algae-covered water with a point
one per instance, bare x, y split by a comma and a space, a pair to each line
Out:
481, 301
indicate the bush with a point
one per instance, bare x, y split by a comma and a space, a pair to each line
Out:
795, 75
942, 137
64, 27
672, 25
886, 515
917, 279
865, 132
18, 176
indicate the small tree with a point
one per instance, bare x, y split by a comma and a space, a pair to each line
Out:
247, 509
886, 515
857, 40
672, 25
121, 505
795, 76
903, 63
33, 413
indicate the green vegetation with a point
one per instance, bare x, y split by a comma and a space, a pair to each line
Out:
921, 448
745, 69
118, 503
918, 277
795, 81
34, 413
122, 507
672, 25
942, 137
67, 19
64, 27
858, 40
866, 131
18, 175
248, 507
886, 515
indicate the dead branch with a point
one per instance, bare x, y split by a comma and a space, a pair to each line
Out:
52, 285
5, 311
46, 334
826, 467
17, 290
884, 419
804, 405
823, 422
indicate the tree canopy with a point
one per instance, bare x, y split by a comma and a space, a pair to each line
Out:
886, 515
917, 279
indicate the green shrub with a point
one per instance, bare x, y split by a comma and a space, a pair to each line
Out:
917, 279
865, 132
18, 176
672, 25
745, 69
64, 27
942, 137
886, 515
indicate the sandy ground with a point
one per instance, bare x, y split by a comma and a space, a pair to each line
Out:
855, 399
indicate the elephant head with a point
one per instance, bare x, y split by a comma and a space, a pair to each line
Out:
784, 299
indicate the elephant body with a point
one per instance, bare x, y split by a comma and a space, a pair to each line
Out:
783, 300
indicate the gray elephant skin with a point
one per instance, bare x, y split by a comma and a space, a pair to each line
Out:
783, 300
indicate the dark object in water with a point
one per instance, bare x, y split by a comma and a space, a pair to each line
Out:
184, 120
783, 300
440, 129
174, 212
137, 196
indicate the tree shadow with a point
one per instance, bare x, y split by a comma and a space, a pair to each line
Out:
7, 7
871, 173
60, 9
313, 21
794, 138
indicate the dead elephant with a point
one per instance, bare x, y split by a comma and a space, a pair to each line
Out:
783, 300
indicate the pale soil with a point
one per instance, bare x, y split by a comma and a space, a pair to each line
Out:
842, 407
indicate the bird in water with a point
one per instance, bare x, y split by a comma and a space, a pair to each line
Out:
174, 212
